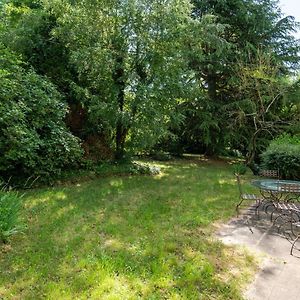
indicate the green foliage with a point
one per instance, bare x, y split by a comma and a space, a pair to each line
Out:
260, 112
283, 154
254, 41
10, 206
239, 169
30, 35
34, 139
287, 139
199, 76
132, 62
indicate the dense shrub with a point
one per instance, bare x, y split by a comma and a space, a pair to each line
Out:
33, 137
283, 154
10, 204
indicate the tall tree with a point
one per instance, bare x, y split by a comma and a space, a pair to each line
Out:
130, 56
264, 109
251, 27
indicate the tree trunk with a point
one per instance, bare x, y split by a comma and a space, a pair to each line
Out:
121, 134
212, 87
121, 130
250, 160
212, 95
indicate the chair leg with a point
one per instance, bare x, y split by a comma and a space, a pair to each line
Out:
272, 213
268, 205
249, 226
265, 205
292, 230
237, 207
257, 206
293, 244
280, 216
283, 223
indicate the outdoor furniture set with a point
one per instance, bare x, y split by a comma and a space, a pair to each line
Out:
280, 198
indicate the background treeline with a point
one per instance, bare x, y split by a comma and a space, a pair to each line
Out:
105, 79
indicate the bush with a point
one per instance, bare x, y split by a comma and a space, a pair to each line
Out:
34, 139
144, 169
10, 205
283, 154
132, 168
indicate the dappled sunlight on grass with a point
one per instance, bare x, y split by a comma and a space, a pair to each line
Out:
227, 181
64, 210
116, 182
136, 237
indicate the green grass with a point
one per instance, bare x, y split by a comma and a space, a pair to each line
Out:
135, 237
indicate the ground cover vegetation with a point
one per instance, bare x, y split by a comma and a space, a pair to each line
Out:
134, 237
109, 79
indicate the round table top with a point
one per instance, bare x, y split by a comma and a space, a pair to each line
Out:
277, 185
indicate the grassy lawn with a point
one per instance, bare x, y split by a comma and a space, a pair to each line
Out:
138, 237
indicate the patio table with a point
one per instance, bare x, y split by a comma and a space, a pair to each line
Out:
275, 185
283, 196
275, 190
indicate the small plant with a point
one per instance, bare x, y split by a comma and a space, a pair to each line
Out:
130, 168
144, 169
240, 169
154, 170
10, 205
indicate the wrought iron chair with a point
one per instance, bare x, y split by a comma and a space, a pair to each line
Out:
288, 208
244, 196
267, 200
297, 224
269, 173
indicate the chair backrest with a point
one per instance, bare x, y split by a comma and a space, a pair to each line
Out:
238, 180
290, 188
269, 173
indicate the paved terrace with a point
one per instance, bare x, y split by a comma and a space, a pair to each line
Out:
279, 276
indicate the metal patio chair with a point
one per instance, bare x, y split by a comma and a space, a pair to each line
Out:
267, 200
297, 224
269, 173
244, 196
288, 208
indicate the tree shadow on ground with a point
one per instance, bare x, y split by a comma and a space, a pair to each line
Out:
132, 236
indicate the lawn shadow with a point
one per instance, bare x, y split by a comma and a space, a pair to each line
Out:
151, 234
259, 232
